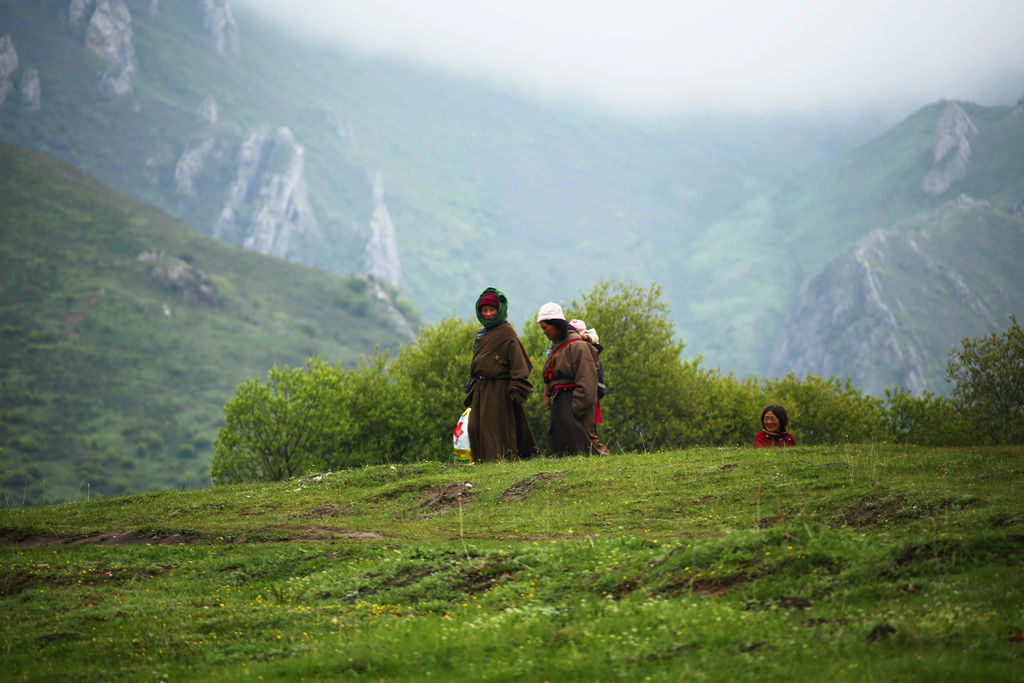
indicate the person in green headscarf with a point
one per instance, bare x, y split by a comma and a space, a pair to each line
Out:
499, 383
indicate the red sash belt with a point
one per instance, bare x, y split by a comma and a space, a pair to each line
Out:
561, 387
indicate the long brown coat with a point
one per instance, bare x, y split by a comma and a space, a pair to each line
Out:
570, 385
497, 424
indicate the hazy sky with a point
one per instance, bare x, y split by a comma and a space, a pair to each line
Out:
664, 55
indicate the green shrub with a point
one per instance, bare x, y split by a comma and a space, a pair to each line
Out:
653, 393
279, 429
26, 443
926, 420
988, 376
432, 374
826, 410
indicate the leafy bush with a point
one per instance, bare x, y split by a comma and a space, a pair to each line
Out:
826, 410
988, 376
322, 417
279, 429
656, 398
431, 374
652, 400
926, 420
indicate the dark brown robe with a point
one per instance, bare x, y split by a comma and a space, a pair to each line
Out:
570, 384
500, 370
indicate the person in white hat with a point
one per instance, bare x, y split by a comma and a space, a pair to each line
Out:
570, 385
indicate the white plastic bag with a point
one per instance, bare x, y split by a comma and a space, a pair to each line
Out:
460, 439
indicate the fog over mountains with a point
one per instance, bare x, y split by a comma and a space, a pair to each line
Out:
829, 244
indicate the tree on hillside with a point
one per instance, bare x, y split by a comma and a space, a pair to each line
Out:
925, 420
656, 398
322, 417
988, 377
432, 374
279, 429
826, 410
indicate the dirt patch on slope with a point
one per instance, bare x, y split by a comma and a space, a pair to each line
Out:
11, 537
314, 532
307, 532
441, 499
523, 488
322, 512
889, 507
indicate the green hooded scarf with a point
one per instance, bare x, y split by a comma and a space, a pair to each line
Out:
502, 308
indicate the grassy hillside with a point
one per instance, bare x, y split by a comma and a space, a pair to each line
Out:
853, 562
115, 373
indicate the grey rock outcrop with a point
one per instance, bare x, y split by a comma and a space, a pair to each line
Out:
191, 162
381, 256
197, 153
206, 112
8, 57
338, 126
219, 24
213, 144
107, 27
8, 65
856, 314
378, 292
31, 90
951, 150
888, 310
79, 12
270, 188
185, 280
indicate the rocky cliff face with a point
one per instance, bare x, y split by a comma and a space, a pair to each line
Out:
106, 26
381, 248
219, 24
268, 203
28, 83
338, 126
31, 90
377, 292
844, 325
889, 309
951, 151
207, 111
8, 65
211, 144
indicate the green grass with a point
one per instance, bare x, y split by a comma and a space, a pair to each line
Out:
857, 562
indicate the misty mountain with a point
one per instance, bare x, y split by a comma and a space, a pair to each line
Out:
928, 218
441, 186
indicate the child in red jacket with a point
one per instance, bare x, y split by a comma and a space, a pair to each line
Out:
774, 420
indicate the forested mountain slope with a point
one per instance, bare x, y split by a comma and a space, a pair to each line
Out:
439, 186
443, 186
123, 332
